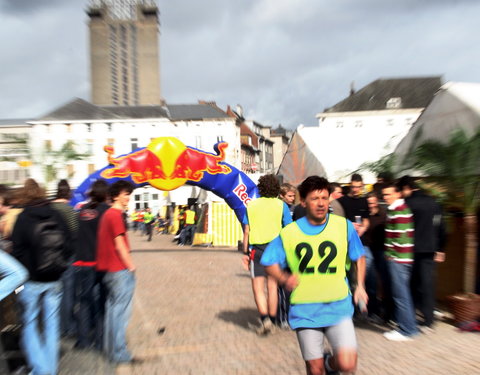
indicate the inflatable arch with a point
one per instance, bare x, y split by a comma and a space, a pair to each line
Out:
166, 164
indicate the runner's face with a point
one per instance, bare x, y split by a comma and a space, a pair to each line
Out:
316, 204
289, 197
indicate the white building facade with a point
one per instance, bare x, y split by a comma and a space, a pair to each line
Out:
91, 128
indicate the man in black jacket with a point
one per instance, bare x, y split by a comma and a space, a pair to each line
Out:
430, 239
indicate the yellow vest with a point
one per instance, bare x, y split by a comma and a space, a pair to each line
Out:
190, 217
319, 261
265, 219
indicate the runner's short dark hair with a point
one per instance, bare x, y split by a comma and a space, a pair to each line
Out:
268, 186
313, 183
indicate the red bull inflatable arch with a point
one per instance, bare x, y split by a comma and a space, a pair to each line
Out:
166, 164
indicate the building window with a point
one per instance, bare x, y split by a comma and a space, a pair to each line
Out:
91, 168
89, 128
339, 124
219, 138
390, 122
358, 124
394, 103
109, 127
134, 143
198, 142
408, 121
155, 197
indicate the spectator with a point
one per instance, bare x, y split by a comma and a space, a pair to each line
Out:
90, 297
429, 243
60, 203
42, 293
113, 258
148, 219
12, 273
287, 194
188, 231
399, 235
335, 206
375, 240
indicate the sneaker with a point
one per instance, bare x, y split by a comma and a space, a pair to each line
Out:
396, 336
265, 327
326, 357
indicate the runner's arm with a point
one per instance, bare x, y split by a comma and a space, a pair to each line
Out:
360, 293
287, 280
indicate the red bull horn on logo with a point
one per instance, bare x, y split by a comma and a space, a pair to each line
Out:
166, 163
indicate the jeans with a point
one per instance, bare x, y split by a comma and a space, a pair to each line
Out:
423, 285
120, 287
41, 348
187, 234
90, 300
371, 281
12, 274
67, 319
400, 274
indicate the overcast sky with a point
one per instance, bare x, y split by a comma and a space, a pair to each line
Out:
282, 60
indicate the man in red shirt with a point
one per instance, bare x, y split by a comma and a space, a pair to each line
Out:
113, 258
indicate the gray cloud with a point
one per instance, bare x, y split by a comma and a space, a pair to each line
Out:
283, 61
26, 7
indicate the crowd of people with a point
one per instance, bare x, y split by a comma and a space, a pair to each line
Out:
59, 261
315, 266
340, 255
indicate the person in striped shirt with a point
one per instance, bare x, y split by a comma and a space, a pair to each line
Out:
399, 236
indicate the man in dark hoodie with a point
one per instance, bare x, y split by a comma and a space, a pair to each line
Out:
42, 293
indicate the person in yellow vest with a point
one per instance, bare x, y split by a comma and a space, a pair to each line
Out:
317, 249
148, 219
188, 231
133, 219
263, 221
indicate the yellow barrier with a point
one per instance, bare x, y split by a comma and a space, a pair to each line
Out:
225, 227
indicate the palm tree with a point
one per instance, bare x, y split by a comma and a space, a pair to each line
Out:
455, 165
53, 160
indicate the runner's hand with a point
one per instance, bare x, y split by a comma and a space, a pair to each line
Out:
360, 294
246, 262
291, 283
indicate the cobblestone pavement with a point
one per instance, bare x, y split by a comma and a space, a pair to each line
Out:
203, 300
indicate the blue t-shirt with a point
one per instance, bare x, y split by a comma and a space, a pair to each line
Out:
286, 218
315, 315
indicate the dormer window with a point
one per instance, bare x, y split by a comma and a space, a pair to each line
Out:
394, 103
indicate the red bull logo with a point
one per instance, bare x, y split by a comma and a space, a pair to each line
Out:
166, 163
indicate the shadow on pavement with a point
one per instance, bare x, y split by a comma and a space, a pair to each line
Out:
244, 317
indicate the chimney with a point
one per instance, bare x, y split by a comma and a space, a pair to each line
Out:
352, 88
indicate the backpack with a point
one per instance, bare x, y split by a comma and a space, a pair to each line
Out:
51, 251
